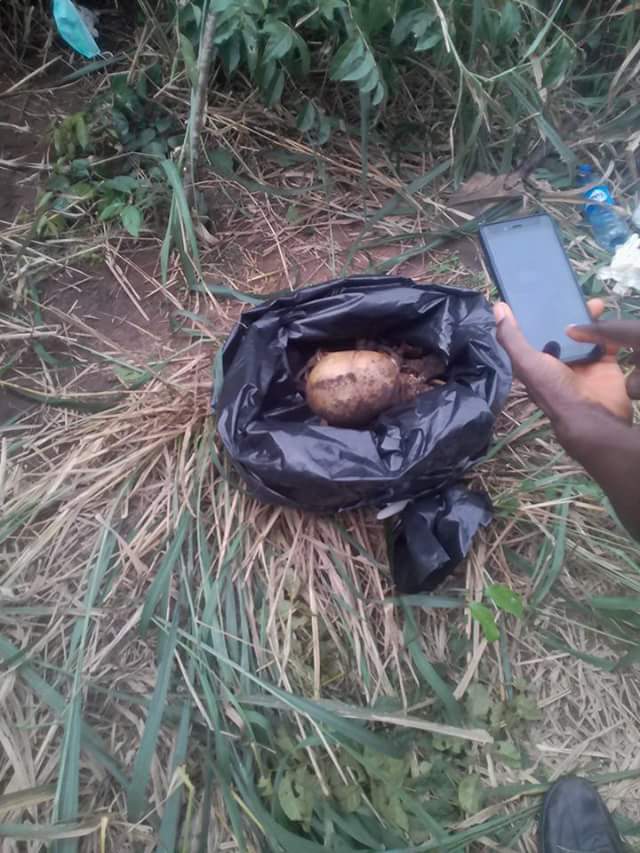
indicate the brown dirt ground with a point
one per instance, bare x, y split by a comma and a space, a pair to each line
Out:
119, 298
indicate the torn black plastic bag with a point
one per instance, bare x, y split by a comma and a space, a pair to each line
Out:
289, 456
428, 539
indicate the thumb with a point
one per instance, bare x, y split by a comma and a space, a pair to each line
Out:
523, 356
510, 336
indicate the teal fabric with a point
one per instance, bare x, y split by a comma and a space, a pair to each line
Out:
73, 29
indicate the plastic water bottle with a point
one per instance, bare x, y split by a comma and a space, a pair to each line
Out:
608, 228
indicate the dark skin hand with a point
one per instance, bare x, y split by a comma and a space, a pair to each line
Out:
589, 405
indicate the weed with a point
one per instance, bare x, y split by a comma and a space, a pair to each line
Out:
108, 162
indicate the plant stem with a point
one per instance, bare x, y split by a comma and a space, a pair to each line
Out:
198, 100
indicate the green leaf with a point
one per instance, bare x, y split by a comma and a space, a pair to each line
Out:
58, 183
81, 130
121, 184
374, 15
229, 293
163, 572
510, 22
527, 708
43, 201
417, 22
136, 792
111, 210
325, 126
222, 5
630, 603
370, 82
189, 57
45, 832
228, 26
360, 69
509, 754
388, 802
505, 599
559, 64
164, 124
549, 577
428, 41
327, 8
378, 94
144, 138
171, 818
180, 219
303, 53
536, 111
403, 27
478, 702
26, 798
79, 168
59, 141
470, 794
306, 117
296, 794
275, 89
131, 218
428, 671
484, 617
68, 788
120, 124
347, 56
250, 39
124, 98
230, 53
280, 41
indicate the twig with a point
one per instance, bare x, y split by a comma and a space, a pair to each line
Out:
30, 76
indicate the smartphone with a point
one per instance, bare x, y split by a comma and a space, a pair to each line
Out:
533, 274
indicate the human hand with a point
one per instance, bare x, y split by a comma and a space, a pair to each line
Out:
558, 387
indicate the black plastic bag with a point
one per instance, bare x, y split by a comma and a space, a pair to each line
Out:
289, 456
428, 539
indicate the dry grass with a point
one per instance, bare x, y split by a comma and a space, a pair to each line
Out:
213, 644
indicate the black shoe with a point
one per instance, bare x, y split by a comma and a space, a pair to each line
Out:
575, 820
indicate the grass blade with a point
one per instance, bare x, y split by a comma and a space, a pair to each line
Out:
547, 580
428, 671
26, 798
136, 790
68, 788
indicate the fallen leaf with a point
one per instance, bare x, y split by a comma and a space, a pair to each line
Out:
470, 794
483, 187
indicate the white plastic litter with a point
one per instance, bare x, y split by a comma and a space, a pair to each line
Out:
624, 268
391, 509
90, 19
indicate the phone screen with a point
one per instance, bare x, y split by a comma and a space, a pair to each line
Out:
534, 276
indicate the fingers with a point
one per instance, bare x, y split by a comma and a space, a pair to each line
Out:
596, 308
508, 331
622, 333
632, 385
511, 338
